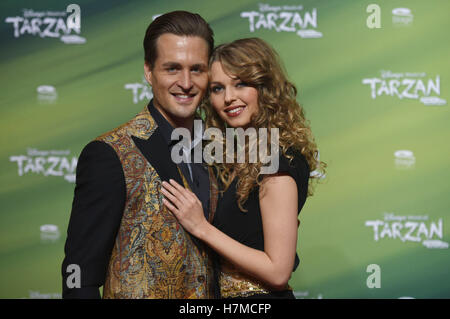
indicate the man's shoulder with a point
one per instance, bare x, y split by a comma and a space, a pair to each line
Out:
142, 125
117, 132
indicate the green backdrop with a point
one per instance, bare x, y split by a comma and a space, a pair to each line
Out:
376, 99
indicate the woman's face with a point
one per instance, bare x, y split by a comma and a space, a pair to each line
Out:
233, 100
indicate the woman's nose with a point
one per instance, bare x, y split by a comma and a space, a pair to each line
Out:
230, 96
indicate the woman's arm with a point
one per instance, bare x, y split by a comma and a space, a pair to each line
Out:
278, 202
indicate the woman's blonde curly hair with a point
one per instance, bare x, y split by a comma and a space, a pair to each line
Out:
255, 63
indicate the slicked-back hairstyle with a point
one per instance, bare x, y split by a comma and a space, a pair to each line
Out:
181, 23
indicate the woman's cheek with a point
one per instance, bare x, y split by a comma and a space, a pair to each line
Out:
215, 102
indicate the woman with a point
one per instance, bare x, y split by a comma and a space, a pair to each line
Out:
255, 225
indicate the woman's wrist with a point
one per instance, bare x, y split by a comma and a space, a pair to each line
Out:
202, 230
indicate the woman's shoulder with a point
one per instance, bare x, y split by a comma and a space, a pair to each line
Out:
293, 161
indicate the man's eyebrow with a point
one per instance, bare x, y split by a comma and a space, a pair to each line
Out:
166, 64
197, 65
202, 66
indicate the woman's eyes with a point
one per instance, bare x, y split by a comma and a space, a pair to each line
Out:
218, 88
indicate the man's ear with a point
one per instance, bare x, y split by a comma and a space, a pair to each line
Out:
148, 72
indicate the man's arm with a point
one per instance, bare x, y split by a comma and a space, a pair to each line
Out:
97, 210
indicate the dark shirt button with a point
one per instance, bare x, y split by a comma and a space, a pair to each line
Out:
201, 278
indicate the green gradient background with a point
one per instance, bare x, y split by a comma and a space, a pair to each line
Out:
357, 135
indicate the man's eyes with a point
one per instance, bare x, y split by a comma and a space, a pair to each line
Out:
198, 69
176, 69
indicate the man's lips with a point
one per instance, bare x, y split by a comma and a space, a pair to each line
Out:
184, 97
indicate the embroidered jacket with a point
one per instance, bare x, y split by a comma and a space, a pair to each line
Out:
153, 256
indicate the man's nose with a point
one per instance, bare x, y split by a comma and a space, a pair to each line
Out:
185, 80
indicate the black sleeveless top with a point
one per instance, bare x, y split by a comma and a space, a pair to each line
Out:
246, 227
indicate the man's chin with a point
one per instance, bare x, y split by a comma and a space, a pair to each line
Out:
186, 108
184, 111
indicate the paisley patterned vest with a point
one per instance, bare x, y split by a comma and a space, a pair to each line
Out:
153, 256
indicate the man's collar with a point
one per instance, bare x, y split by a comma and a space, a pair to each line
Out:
166, 128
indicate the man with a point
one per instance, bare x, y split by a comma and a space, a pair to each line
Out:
120, 234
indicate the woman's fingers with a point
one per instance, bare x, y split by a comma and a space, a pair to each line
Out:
171, 207
179, 197
173, 199
182, 198
174, 191
186, 207
187, 195
184, 191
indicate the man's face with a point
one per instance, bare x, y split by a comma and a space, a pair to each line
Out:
179, 77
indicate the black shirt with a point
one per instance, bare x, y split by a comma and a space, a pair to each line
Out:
246, 227
196, 174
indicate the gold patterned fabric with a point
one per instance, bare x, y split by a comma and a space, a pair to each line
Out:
153, 256
234, 283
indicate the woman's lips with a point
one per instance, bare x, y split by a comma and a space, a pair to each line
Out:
234, 111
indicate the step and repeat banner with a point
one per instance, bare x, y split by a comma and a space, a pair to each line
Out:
373, 77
